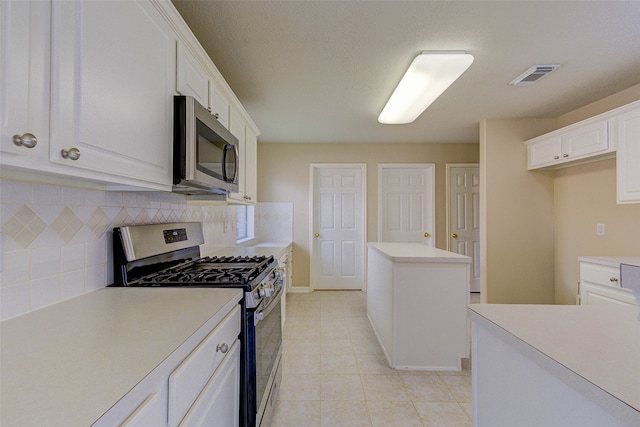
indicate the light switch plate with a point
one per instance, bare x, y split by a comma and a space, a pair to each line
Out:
599, 229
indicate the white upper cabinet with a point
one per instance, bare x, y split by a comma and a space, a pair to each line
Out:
570, 145
194, 80
247, 148
627, 128
24, 82
111, 102
86, 91
191, 77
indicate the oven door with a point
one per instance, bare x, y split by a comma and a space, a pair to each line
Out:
268, 323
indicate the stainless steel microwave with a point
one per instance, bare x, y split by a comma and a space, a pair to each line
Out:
205, 153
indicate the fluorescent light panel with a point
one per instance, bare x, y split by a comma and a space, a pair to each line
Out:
430, 74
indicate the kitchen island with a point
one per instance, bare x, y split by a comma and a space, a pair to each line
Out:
105, 354
551, 365
417, 298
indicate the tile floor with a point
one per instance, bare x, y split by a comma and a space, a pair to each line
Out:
336, 375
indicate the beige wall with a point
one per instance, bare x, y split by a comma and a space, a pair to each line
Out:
585, 195
537, 224
517, 232
283, 176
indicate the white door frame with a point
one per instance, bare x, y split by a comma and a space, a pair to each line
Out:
432, 169
448, 203
363, 189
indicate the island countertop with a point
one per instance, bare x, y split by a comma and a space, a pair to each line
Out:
68, 363
600, 344
416, 252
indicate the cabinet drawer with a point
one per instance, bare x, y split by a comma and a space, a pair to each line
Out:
600, 274
186, 382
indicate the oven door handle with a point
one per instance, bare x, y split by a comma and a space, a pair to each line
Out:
261, 312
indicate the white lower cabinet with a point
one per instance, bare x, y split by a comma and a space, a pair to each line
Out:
600, 285
198, 385
217, 405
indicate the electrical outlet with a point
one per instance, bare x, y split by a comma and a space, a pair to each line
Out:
599, 229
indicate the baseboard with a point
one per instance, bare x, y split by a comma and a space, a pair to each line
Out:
299, 289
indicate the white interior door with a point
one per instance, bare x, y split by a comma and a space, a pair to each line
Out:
406, 203
337, 226
463, 222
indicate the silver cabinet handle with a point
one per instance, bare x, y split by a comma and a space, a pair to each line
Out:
28, 140
222, 348
71, 154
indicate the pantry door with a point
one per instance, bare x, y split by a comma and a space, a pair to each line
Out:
463, 215
337, 226
406, 203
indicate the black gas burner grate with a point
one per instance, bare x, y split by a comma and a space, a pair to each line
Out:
211, 270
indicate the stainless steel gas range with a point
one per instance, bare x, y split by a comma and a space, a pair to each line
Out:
169, 255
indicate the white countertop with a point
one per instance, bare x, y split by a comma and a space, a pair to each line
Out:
277, 250
599, 343
68, 363
611, 261
415, 252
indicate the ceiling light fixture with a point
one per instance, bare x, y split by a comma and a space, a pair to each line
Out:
430, 74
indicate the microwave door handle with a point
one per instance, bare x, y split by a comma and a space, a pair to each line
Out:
228, 148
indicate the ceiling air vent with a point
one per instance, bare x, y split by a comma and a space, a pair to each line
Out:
533, 74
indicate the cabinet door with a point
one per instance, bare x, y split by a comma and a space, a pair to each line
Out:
592, 294
152, 411
237, 127
585, 141
628, 156
251, 166
191, 77
218, 405
24, 81
545, 152
219, 105
113, 66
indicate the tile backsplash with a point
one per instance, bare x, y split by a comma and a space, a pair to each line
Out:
56, 240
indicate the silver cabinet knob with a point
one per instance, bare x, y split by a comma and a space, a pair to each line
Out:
565, 155
222, 348
613, 279
556, 157
71, 154
28, 140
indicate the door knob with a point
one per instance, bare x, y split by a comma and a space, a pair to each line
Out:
454, 235
426, 234
317, 235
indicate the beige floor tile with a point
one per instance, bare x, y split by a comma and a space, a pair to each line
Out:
426, 388
459, 386
335, 373
336, 346
301, 364
369, 364
338, 364
439, 414
299, 387
344, 414
308, 345
296, 414
341, 387
396, 414
384, 388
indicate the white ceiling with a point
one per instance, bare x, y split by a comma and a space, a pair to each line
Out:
321, 71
